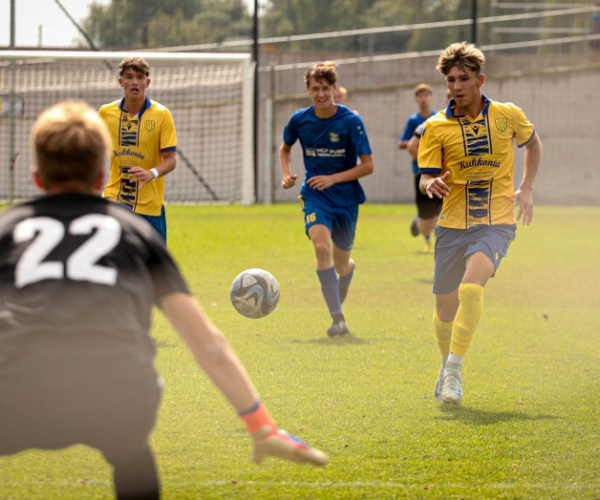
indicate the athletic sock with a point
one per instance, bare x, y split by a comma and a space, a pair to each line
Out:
443, 332
331, 291
455, 359
344, 284
467, 318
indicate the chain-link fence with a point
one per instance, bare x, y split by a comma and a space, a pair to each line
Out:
541, 55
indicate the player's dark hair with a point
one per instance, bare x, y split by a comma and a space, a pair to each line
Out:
322, 71
135, 63
70, 144
463, 55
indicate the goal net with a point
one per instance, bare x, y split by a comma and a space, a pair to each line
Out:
209, 95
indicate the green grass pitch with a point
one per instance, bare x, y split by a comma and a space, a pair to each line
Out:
528, 427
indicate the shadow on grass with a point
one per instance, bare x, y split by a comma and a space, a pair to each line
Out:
483, 417
427, 281
335, 341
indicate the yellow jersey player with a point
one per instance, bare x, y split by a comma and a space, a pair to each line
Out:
144, 146
466, 158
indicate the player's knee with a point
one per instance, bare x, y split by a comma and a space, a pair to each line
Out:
322, 250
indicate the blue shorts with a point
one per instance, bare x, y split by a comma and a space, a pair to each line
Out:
341, 221
158, 222
453, 246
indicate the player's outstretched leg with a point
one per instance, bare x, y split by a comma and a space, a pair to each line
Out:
135, 477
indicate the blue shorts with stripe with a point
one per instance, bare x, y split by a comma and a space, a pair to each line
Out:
453, 246
341, 221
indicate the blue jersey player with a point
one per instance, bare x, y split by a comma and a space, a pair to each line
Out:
336, 154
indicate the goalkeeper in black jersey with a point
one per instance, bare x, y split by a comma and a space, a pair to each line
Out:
79, 277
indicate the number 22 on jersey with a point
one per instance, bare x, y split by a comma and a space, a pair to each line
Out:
46, 234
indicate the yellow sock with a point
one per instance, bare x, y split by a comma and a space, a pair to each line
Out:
443, 332
467, 318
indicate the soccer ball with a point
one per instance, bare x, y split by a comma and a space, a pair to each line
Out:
254, 293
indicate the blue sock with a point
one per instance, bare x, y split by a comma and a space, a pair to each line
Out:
345, 284
331, 291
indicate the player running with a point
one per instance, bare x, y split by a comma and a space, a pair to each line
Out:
466, 157
333, 138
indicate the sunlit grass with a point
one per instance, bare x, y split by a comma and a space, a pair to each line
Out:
528, 424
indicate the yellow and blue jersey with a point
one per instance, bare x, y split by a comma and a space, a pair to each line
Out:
138, 141
479, 154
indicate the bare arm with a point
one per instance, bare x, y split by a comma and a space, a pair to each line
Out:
524, 195
210, 349
413, 146
402, 144
365, 167
214, 355
285, 157
144, 176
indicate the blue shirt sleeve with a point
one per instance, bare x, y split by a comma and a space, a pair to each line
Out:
290, 132
409, 129
359, 137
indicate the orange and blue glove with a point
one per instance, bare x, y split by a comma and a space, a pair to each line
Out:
271, 441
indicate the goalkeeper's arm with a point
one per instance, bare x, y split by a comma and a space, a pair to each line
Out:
214, 355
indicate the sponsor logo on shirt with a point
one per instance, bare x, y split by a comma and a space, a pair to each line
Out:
478, 162
326, 153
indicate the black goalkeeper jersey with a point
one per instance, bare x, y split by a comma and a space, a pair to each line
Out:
79, 277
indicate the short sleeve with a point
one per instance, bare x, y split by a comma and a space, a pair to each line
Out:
168, 136
430, 152
290, 132
524, 129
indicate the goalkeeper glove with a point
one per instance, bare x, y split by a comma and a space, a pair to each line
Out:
271, 441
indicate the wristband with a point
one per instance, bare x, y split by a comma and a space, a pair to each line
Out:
155, 172
257, 417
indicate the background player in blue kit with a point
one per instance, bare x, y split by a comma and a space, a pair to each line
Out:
427, 209
333, 138
79, 277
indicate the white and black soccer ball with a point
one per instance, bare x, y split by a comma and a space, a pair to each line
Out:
254, 293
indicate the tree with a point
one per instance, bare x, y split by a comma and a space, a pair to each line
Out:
139, 24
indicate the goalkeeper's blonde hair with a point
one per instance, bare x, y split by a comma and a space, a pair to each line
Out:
70, 144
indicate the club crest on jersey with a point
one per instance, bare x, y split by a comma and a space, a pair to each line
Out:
333, 137
501, 124
149, 125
